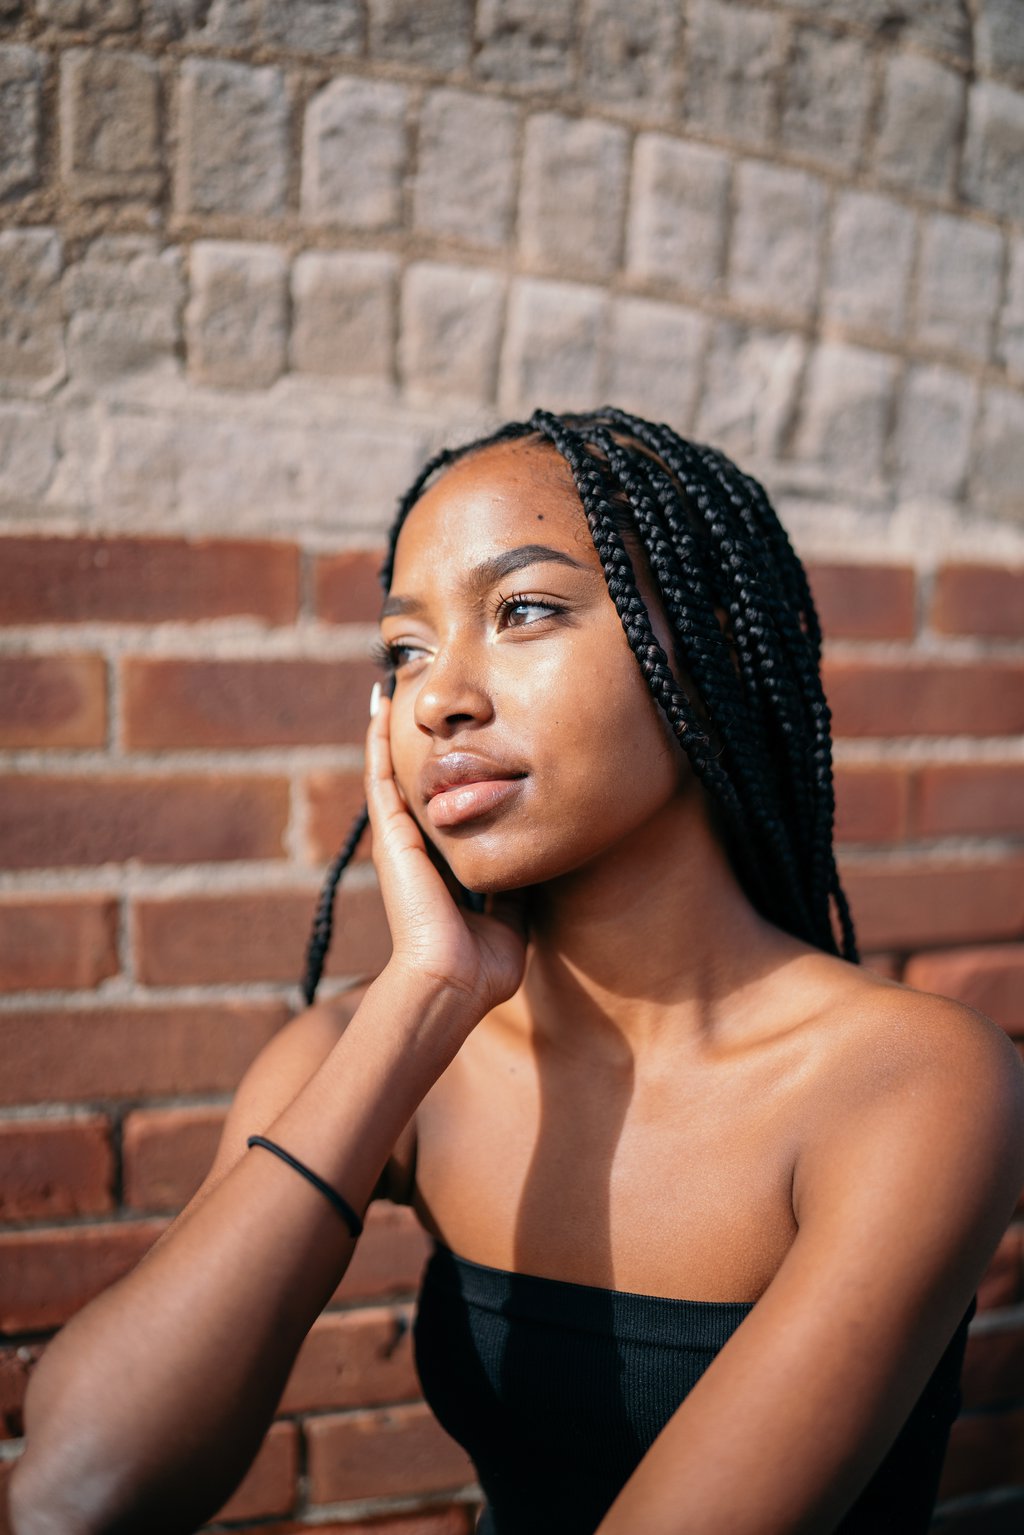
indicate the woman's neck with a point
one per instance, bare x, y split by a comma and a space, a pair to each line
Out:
650, 946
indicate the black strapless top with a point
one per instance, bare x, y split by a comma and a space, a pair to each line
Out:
557, 1390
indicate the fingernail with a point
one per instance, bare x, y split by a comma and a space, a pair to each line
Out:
374, 699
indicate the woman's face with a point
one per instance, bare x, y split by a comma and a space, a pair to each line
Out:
526, 666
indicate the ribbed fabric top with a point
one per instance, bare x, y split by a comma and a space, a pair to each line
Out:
556, 1390
631, 1318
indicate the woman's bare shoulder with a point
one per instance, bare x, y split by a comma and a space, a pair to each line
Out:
889, 1047
884, 1028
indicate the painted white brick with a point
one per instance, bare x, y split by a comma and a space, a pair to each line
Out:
233, 125
553, 344
344, 306
777, 236
933, 433
678, 209
868, 270
654, 358
958, 285
572, 203
923, 106
735, 61
123, 300
237, 317
465, 179
452, 320
21, 73
845, 412
31, 329
355, 155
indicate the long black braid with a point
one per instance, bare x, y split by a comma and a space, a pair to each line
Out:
757, 732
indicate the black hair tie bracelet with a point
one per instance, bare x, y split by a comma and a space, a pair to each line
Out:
342, 1206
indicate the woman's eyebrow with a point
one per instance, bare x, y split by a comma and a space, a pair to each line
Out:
489, 571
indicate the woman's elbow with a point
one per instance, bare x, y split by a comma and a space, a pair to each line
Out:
40, 1501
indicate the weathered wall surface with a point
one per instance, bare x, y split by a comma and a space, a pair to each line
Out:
256, 260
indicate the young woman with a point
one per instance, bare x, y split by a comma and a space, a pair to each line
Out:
710, 1202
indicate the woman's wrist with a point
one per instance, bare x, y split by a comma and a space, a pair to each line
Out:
345, 1121
429, 1004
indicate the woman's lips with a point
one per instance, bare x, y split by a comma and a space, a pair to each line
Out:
467, 800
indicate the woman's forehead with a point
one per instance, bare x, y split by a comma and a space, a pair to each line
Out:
523, 492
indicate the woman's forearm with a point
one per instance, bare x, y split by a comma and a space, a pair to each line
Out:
147, 1409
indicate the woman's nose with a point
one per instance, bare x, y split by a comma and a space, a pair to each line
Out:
451, 695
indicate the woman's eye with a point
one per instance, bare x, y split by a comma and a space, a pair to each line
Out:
511, 606
390, 656
513, 612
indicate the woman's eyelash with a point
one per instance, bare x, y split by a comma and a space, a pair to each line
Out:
522, 599
383, 655
387, 656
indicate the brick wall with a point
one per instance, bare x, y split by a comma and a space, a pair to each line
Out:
256, 260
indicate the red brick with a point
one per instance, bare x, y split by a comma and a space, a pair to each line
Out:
172, 704
54, 1167
49, 821
389, 1258
145, 580
1002, 1283
993, 1367
864, 602
354, 1359
167, 1154
46, 1276
969, 798
130, 1052
270, 1483
985, 1451
254, 937
393, 1452
61, 942
908, 903
335, 799
53, 701
871, 804
989, 979
978, 599
915, 697
17, 1361
455, 1519
347, 587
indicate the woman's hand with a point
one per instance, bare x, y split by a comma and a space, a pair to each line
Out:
482, 955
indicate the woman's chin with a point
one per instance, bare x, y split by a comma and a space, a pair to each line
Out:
493, 873
492, 883
496, 873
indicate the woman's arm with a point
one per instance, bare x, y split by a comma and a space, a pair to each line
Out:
901, 1198
147, 1409
193, 1348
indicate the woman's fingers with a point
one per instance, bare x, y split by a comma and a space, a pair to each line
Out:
431, 930
401, 853
383, 798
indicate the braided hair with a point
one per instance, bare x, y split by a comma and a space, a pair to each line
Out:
757, 732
